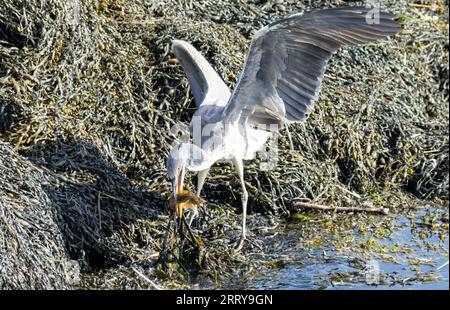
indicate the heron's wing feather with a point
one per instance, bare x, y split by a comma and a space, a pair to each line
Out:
287, 60
206, 85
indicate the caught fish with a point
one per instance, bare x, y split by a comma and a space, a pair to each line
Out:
185, 199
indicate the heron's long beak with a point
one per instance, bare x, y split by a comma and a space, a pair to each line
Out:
177, 186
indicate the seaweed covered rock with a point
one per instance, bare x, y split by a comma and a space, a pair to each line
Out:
32, 248
103, 73
90, 89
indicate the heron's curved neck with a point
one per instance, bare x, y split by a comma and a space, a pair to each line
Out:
195, 159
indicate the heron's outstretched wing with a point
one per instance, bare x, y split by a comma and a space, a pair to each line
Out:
287, 59
206, 85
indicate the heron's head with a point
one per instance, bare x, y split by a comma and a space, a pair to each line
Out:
176, 167
182, 156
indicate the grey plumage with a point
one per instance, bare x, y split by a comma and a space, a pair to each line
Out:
206, 85
279, 84
287, 60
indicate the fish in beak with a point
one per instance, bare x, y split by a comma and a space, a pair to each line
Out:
185, 199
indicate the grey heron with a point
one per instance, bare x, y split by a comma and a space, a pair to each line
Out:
279, 84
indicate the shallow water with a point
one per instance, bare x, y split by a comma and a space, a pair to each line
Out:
410, 256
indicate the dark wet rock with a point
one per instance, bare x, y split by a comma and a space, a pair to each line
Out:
32, 248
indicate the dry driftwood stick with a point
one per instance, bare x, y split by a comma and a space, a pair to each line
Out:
310, 205
155, 286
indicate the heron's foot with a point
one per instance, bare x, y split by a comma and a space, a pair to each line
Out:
239, 244
192, 217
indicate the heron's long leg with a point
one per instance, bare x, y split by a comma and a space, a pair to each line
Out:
201, 180
239, 165
193, 216
291, 144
